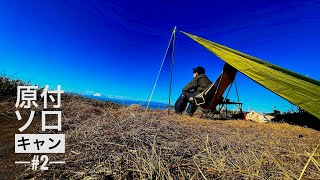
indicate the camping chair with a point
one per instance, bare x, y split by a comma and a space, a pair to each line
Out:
212, 96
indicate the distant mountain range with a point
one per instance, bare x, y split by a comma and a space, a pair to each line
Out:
153, 105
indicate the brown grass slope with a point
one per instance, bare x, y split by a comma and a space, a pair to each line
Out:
127, 143
108, 141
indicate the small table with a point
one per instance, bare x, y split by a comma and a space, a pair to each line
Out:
225, 104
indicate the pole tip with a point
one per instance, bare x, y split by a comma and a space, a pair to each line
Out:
174, 29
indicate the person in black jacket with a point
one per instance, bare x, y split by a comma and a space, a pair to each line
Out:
199, 83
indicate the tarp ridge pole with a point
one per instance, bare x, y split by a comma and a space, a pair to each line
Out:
171, 69
165, 55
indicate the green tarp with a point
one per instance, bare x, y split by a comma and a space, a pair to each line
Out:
300, 90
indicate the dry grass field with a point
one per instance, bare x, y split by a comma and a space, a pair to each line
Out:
108, 141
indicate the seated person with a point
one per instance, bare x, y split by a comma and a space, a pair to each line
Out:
198, 84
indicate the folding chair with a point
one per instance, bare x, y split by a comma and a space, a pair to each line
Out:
212, 96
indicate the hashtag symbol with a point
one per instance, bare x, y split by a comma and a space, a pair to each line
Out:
35, 162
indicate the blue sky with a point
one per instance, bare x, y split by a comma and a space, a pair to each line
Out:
115, 47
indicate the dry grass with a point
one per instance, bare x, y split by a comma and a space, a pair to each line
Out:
127, 143
105, 140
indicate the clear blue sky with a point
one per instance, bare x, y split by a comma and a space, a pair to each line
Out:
115, 47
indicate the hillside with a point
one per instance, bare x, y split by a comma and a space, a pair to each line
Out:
106, 140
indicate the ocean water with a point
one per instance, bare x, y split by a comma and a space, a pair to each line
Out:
152, 105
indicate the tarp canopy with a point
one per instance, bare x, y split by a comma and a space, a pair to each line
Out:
300, 90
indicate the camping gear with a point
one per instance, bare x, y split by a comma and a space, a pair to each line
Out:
300, 90
257, 117
211, 96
